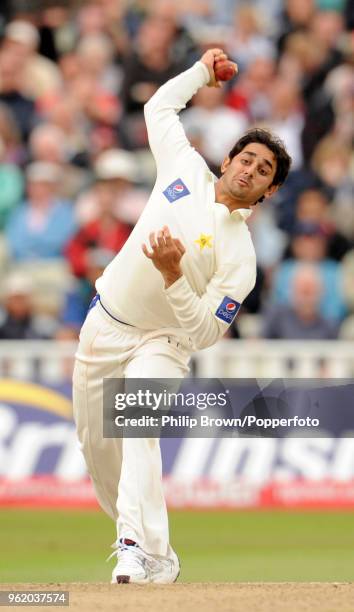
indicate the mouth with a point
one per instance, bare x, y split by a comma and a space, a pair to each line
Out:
243, 182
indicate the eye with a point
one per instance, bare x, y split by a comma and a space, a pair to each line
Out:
244, 161
263, 172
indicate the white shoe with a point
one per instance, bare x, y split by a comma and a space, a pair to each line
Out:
164, 571
132, 564
136, 566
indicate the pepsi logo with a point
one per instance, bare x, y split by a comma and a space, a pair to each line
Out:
227, 310
176, 190
230, 307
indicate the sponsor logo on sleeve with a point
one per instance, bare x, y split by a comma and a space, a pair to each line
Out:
227, 310
176, 190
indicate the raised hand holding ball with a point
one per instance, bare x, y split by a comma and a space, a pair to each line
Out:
224, 70
220, 68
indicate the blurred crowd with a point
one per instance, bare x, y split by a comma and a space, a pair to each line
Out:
76, 171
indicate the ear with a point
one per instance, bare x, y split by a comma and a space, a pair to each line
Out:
272, 189
225, 164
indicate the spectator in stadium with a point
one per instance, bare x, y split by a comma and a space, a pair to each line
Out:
217, 126
339, 86
106, 232
42, 225
14, 151
21, 105
313, 207
86, 87
64, 113
90, 19
286, 117
305, 61
295, 17
309, 243
11, 189
79, 296
39, 74
150, 64
300, 319
18, 320
185, 48
252, 90
269, 241
247, 40
99, 105
115, 171
331, 161
327, 27
96, 53
48, 143
108, 18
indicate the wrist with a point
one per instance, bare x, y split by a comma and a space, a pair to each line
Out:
208, 72
171, 277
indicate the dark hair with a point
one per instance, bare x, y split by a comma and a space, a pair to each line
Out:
274, 144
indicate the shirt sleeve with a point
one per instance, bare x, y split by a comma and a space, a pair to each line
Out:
167, 138
207, 318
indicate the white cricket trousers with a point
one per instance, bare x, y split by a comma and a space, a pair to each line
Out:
126, 473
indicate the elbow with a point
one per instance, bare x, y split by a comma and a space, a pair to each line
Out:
200, 346
208, 337
249, 281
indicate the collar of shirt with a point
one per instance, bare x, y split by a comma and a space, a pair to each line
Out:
244, 212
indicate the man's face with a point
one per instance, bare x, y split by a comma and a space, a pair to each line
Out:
249, 175
41, 191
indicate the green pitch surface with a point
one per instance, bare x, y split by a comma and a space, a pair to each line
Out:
59, 546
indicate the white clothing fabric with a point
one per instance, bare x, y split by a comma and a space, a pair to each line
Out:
131, 288
126, 474
219, 270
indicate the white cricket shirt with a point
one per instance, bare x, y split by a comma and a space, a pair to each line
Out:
219, 266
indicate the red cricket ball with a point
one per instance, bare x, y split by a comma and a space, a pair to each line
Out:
224, 70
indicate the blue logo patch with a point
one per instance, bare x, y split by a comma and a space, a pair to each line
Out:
176, 190
227, 310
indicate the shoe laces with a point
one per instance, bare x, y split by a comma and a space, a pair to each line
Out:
131, 554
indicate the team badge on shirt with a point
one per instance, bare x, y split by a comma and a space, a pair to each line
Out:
176, 190
204, 240
227, 310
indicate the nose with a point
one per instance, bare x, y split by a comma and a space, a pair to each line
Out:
249, 171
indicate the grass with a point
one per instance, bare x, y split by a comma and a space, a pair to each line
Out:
71, 545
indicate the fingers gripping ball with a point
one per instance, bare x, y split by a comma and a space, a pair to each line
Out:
224, 70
